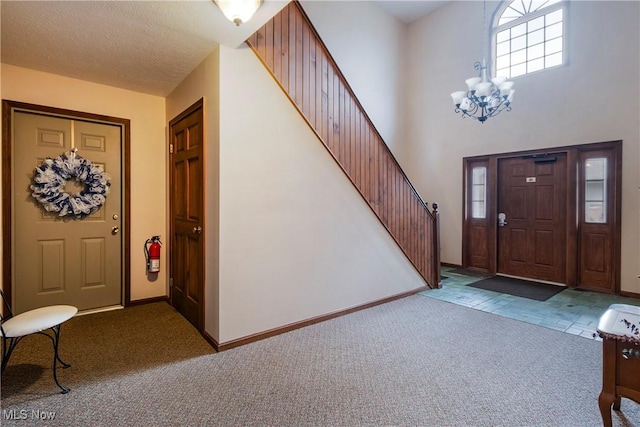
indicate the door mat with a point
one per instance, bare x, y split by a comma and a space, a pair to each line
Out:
518, 287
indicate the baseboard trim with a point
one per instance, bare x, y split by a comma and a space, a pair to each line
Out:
630, 294
448, 264
212, 341
293, 326
144, 301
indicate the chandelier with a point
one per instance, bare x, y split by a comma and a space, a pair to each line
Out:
485, 96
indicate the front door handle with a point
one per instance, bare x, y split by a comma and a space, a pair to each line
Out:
502, 219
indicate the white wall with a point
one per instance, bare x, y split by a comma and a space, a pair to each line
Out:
592, 99
204, 82
288, 237
147, 114
296, 239
369, 46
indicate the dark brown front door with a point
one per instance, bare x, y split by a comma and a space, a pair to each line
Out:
532, 194
187, 213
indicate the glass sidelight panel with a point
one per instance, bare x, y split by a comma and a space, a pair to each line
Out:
595, 190
479, 190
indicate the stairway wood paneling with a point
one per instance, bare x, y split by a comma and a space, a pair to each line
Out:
292, 51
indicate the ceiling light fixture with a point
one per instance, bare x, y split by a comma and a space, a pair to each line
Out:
485, 96
238, 11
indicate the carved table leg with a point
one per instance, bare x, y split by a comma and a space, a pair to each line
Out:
605, 400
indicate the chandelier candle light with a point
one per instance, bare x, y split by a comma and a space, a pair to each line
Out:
485, 96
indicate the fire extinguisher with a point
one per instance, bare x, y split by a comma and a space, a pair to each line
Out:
152, 254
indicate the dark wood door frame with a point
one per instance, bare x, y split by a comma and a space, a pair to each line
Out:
8, 107
574, 154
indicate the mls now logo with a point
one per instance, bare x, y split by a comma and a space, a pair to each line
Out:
23, 414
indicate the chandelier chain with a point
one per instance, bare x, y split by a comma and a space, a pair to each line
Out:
484, 29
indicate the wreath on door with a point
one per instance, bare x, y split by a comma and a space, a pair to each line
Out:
52, 175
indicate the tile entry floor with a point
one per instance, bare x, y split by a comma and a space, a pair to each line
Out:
572, 311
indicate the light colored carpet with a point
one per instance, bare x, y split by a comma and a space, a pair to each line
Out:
413, 362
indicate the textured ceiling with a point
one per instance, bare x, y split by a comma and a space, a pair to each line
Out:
145, 46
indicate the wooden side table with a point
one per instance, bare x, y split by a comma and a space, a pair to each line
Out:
619, 328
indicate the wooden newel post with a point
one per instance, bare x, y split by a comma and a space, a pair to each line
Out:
436, 244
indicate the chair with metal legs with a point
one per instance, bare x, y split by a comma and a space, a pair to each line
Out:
37, 321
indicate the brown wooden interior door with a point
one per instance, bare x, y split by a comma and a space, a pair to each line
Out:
532, 194
187, 234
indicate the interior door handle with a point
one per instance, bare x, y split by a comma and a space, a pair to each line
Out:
197, 230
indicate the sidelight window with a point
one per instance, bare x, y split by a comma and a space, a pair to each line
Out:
479, 190
595, 190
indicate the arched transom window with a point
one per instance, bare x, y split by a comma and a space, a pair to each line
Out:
528, 36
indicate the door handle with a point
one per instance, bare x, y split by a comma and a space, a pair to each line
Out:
197, 230
502, 219
114, 230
